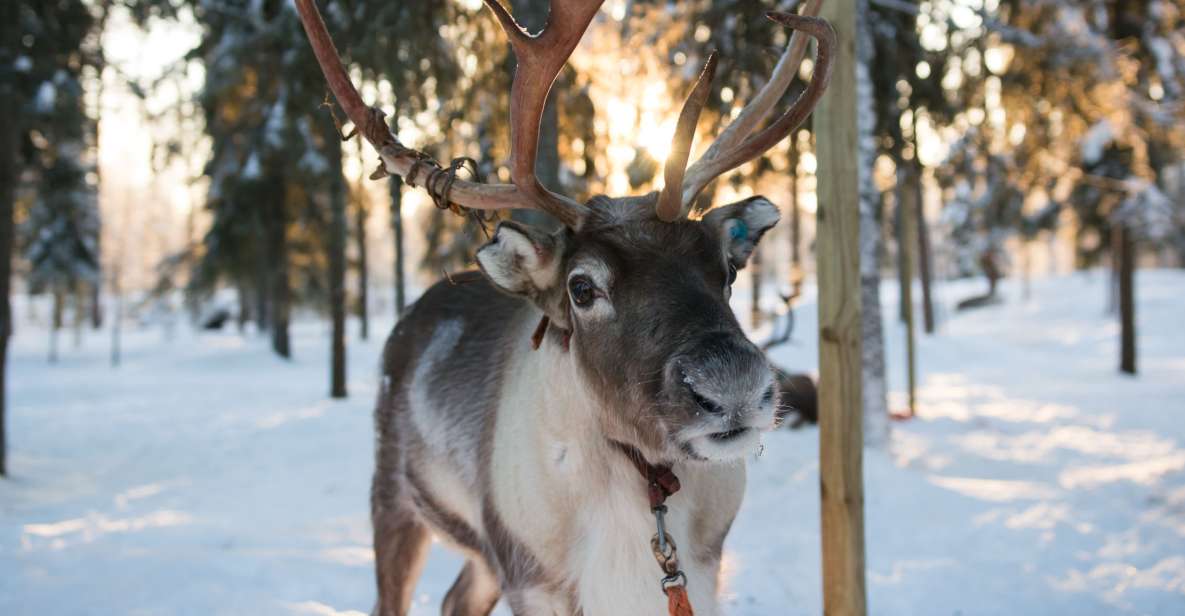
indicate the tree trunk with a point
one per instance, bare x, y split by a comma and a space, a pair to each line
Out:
908, 242
96, 304
795, 214
117, 319
755, 267
396, 187
55, 325
1026, 269
876, 406
96, 287
277, 265
8, 175
361, 213
1127, 302
244, 306
923, 236
1114, 273
263, 282
80, 297
337, 263
899, 214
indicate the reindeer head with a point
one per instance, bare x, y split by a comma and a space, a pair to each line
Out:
642, 289
646, 305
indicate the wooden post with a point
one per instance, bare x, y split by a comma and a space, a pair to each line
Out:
841, 434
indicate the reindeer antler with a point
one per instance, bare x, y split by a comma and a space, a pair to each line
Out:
737, 144
670, 200
540, 59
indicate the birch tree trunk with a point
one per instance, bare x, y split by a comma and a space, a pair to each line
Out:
876, 410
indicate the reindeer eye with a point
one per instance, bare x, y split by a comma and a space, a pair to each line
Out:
582, 291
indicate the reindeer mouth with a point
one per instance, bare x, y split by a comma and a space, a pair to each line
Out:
721, 446
728, 435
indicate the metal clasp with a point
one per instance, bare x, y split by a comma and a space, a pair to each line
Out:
660, 523
663, 546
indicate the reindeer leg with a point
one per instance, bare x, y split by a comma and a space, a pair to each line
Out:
400, 547
474, 593
401, 541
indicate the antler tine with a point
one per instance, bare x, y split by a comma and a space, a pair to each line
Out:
758, 109
736, 146
540, 59
397, 159
670, 201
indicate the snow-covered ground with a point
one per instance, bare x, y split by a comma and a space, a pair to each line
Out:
204, 476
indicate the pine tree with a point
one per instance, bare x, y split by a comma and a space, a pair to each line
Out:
10, 103
275, 173
43, 153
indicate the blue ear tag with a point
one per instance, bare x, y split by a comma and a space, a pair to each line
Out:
740, 230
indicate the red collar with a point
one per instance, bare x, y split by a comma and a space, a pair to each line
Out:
541, 330
661, 481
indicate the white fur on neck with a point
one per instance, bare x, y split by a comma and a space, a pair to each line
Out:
580, 506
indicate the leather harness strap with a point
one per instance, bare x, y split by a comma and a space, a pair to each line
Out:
541, 331
661, 483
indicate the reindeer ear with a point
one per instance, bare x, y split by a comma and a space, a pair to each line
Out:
522, 260
741, 226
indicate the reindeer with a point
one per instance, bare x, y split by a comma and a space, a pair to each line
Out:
574, 419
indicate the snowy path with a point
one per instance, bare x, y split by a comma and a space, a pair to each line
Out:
207, 477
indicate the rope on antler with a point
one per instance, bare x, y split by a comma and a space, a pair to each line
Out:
439, 181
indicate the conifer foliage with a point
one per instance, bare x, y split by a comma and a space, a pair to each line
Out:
48, 207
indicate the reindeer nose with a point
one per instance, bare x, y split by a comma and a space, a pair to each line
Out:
723, 373
702, 401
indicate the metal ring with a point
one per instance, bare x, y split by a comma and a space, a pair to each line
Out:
670, 580
663, 555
